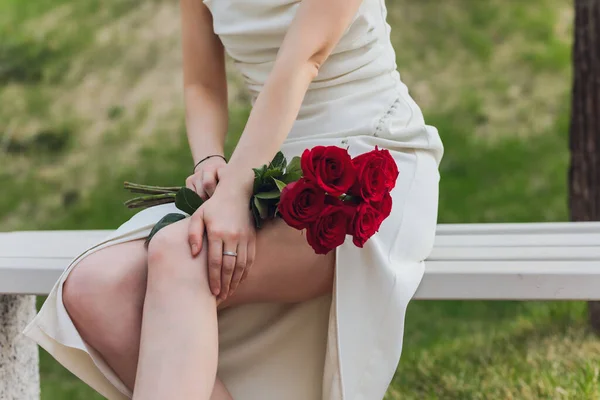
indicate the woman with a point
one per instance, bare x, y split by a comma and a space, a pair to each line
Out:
214, 309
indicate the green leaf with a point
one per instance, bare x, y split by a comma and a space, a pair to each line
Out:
262, 207
290, 177
279, 161
255, 213
259, 172
259, 177
273, 208
273, 173
294, 166
273, 194
187, 200
164, 221
293, 171
280, 184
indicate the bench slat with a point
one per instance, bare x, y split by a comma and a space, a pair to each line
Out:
519, 228
48, 243
487, 280
518, 240
515, 253
70, 243
469, 261
510, 281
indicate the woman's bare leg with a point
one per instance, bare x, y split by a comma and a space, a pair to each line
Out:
180, 320
179, 337
104, 295
286, 269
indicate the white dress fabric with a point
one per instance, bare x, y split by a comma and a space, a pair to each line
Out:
343, 346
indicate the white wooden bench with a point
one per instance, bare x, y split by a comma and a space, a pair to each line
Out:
533, 261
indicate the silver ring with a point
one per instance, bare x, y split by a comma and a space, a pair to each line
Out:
230, 253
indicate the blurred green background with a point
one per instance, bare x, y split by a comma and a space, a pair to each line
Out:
90, 96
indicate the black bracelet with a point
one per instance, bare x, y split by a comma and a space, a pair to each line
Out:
206, 158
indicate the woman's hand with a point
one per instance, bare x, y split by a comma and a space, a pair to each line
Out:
229, 225
204, 180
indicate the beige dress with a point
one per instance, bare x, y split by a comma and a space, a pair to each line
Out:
341, 346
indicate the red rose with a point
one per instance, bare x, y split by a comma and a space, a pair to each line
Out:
347, 206
376, 174
366, 222
384, 206
329, 166
329, 230
300, 203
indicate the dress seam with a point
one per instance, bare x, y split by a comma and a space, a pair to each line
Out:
390, 112
373, 354
386, 116
338, 377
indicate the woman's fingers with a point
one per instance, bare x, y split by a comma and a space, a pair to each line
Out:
200, 189
199, 182
196, 231
189, 183
209, 182
215, 262
229, 263
240, 267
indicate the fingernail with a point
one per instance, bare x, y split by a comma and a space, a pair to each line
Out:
194, 248
216, 291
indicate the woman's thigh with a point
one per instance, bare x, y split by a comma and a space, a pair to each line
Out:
286, 268
113, 275
124, 262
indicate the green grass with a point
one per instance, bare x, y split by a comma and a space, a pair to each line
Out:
90, 98
506, 350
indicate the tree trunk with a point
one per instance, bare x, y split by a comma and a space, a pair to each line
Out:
584, 171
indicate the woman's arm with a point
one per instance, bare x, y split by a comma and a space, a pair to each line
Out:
204, 81
316, 29
314, 32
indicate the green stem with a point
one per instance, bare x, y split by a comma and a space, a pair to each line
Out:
347, 197
164, 197
138, 188
149, 191
147, 204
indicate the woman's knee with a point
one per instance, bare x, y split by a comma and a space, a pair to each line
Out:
170, 257
167, 243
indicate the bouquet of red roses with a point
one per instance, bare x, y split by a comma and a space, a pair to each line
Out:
339, 195
326, 192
